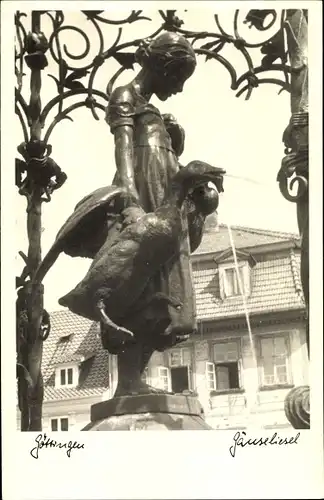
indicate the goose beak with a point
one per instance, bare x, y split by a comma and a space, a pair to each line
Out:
214, 174
216, 177
197, 173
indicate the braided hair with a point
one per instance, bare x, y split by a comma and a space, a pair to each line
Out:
168, 54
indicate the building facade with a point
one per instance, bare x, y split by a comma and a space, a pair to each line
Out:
249, 351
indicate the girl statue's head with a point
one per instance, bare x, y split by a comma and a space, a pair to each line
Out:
170, 59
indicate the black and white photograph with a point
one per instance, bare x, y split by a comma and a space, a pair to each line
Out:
161, 249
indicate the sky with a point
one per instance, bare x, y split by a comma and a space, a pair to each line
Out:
242, 137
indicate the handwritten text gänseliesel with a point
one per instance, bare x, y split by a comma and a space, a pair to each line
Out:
240, 440
43, 441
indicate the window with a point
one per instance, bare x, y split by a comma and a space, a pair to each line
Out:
180, 379
274, 355
211, 376
176, 357
62, 422
231, 285
180, 371
180, 357
164, 378
54, 424
66, 376
224, 373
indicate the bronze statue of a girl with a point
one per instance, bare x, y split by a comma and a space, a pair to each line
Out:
145, 159
147, 147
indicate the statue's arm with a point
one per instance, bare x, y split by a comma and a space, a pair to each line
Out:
176, 133
120, 118
124, 159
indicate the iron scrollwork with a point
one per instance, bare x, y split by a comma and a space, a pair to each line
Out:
294, 170
38, 175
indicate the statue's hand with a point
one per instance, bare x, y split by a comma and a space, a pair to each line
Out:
176, 133
132, 214
131, 195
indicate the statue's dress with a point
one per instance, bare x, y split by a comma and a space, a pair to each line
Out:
155, 163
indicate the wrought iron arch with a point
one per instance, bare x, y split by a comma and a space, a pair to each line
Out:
76, 78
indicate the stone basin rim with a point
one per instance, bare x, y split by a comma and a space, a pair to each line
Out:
146, 403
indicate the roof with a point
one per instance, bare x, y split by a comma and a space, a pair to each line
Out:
275, 286
216, 237
74, 339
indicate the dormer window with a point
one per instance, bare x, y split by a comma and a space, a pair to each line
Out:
234, 280
69, 367
66, 376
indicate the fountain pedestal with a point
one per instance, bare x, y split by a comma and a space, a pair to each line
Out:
138, 406
297, 407
148, 412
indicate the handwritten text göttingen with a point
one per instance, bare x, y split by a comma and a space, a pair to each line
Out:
240, 440
42, 441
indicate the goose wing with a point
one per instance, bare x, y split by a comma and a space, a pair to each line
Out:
85, 231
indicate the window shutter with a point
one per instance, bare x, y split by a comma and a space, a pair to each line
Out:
275, 367
169, 384
222, 280
240, 372
210, 376
189, 378
246, 279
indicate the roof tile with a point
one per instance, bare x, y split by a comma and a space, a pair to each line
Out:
216, 238
272, 289
73, 338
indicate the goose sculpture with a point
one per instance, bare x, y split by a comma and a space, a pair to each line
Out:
122, 266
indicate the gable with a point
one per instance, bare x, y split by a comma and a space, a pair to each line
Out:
227, 257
